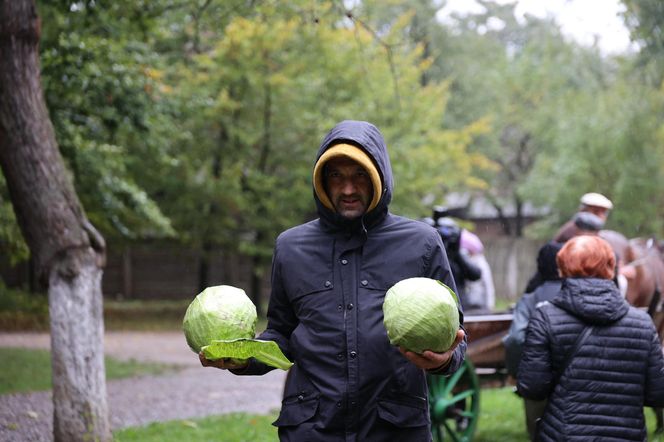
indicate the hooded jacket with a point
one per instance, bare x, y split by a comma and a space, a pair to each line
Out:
616, 372
329, 278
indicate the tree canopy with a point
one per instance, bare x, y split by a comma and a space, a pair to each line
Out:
199, 121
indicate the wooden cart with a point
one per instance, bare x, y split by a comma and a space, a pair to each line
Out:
455, 401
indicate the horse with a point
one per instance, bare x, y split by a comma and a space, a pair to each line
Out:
648, 281
641, 260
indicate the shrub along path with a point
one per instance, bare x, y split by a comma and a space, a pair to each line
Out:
191, 392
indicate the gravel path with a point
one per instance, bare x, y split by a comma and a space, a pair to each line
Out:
191, 392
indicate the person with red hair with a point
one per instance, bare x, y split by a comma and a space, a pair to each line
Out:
595, 359
586, 256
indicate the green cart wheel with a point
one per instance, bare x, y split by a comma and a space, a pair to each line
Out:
454, 404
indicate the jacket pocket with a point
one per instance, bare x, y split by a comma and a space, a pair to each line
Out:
404, 414
296, 410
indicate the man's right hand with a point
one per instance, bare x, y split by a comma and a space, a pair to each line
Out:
224, 363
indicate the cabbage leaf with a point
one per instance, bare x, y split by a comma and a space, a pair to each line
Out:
267, 352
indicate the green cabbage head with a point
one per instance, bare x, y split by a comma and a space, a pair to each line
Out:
222, 312
421, 314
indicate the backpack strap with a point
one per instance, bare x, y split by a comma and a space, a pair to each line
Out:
577, 344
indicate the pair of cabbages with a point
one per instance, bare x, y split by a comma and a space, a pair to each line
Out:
421, 314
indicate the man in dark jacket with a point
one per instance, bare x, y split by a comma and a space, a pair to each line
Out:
329, 278
594, 203
597, 387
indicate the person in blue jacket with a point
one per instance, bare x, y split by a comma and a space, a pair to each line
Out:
329, 278
513, 341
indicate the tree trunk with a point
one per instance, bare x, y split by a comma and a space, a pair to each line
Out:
68, 252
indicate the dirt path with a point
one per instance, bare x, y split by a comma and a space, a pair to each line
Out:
191, 392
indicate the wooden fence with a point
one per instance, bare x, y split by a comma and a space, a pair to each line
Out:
170, 271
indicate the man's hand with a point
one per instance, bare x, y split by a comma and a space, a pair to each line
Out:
429, 360
224, 363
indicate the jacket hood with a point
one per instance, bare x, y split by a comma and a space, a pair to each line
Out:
595, 301
366, 136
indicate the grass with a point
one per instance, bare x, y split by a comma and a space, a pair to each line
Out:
23, 370
501, 420
504, 305
501, 417
236, 427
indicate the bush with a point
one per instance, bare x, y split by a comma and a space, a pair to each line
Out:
20, 310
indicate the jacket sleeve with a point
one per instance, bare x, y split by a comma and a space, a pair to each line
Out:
535, 375
654, 388
516, 335
438, 267
281, 321
471, 271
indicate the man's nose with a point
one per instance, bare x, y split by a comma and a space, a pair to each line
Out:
348, 186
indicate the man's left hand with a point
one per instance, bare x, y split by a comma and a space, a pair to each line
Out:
429, 360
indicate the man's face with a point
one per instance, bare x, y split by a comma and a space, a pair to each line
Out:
599, 211
348, 186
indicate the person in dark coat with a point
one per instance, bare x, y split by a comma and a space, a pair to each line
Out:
516, 336
600, 393
329, 278
593, 203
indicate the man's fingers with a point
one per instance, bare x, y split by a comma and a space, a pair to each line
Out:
205, 362
458, 339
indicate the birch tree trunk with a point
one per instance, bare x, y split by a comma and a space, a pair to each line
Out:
68, 251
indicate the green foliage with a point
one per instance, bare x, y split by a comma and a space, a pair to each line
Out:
20, 310
103, 103
200, 120
645, 20
17, 300
607, 140
259, 95
24, 370
11, 241
514, 73
565, 120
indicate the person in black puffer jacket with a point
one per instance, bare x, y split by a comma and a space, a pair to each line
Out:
619, 369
